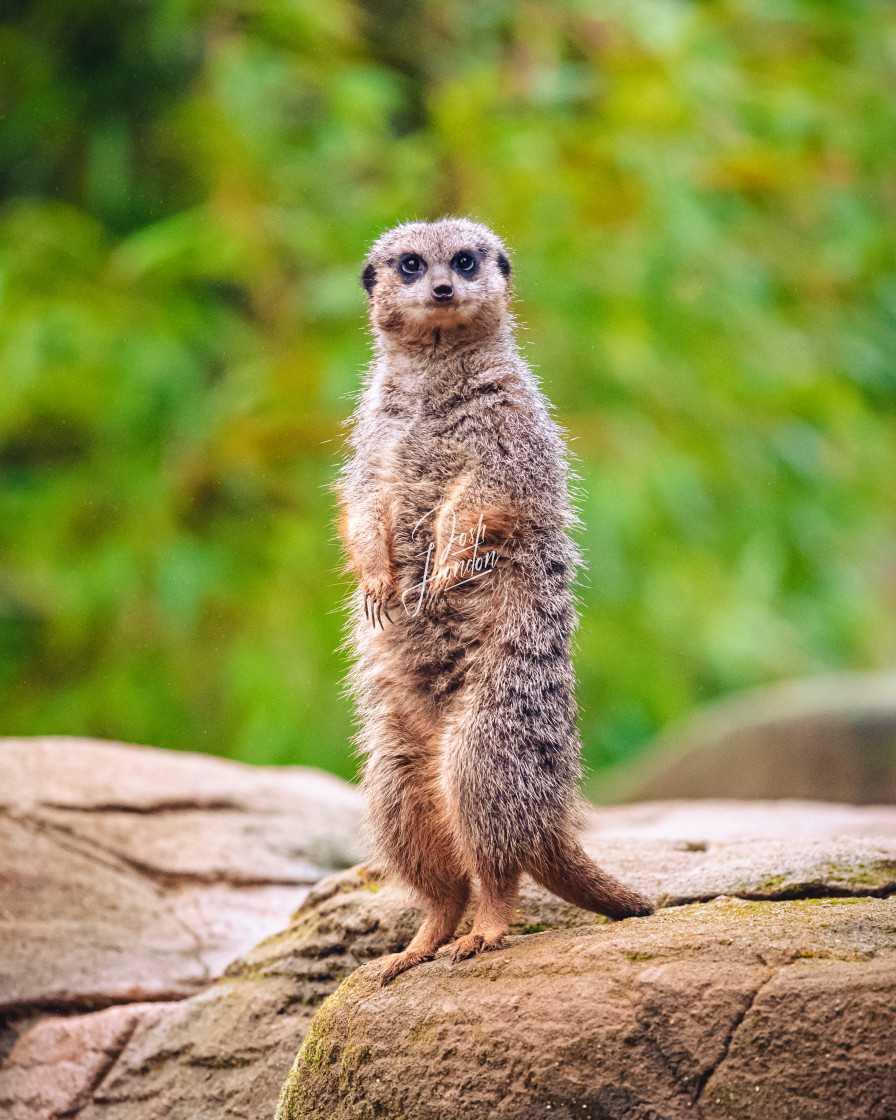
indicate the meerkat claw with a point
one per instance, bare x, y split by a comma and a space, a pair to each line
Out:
466, 947
397, 963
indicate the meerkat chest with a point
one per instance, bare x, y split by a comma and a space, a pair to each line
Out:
424, 468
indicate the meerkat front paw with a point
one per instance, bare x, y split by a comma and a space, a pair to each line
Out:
377, 596
437, 588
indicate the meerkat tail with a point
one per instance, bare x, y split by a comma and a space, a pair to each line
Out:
566, 871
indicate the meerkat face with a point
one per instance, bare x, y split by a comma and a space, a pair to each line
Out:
428, 277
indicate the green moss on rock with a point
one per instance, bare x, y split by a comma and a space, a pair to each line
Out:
321, 1049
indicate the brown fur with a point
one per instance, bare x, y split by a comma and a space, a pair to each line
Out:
465, 704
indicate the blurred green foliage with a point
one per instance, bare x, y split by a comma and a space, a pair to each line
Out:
700, 196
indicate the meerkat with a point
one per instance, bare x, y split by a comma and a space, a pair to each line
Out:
455, 514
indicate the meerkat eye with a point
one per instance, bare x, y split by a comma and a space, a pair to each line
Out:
464, 262
411, 264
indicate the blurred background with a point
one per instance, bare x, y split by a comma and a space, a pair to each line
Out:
700, 197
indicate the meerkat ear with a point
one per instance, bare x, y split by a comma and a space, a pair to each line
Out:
368, 279
504, 265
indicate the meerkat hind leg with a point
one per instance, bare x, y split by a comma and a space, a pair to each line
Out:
496, 902
402, 790
438, 928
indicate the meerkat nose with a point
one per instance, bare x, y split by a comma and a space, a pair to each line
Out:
442, 292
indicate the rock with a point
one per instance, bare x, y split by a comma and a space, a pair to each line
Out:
131, 874
225, 1051
222, 1053
54, 1067
830, 738
675, 873
731, 1009
696, 822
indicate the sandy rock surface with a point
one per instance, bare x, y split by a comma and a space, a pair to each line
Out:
726, 1009
112, 892
58, 1062
130, 874
226, 1051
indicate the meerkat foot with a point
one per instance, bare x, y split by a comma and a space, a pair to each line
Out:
396, 963
474, 943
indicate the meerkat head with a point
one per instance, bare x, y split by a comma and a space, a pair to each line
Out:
428, 280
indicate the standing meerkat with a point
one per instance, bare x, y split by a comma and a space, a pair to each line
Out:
455, 516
